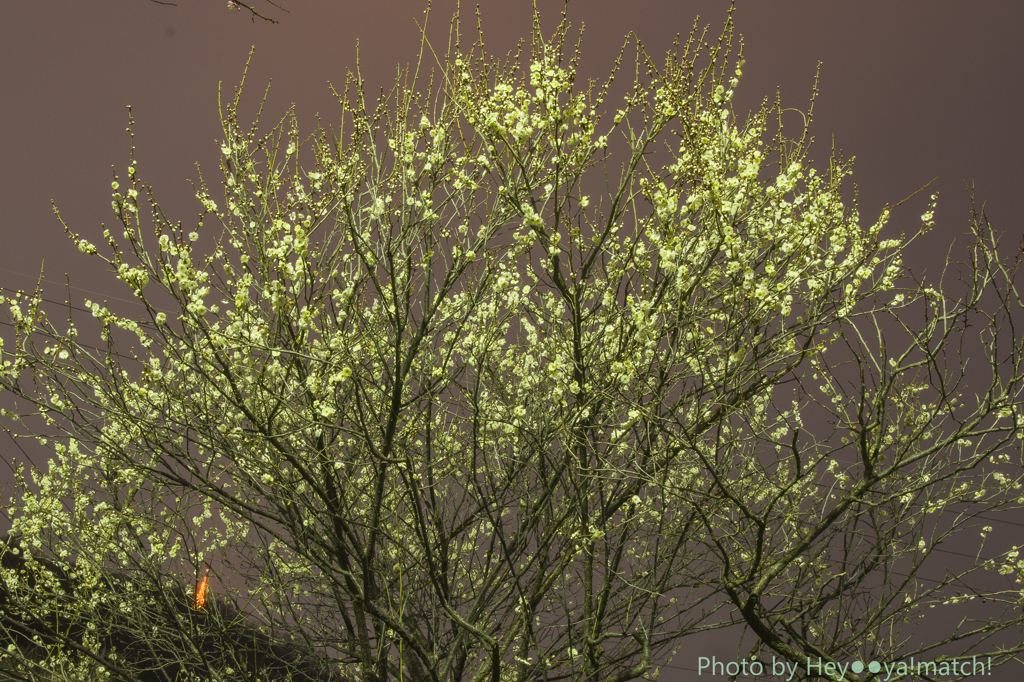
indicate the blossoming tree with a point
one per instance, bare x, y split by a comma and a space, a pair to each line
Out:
504, 387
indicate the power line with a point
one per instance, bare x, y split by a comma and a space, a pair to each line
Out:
86, 345
64, 284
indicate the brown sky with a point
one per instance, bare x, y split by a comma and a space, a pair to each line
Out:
913, 89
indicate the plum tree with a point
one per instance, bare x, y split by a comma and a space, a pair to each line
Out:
454, 402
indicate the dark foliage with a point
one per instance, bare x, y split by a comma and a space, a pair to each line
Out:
166, 643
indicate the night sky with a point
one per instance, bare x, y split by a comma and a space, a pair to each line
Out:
914, 90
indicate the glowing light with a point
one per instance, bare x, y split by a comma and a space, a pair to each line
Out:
201, 591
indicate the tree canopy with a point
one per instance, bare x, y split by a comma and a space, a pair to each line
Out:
238, 6
508, 383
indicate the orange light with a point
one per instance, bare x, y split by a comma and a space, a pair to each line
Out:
201, 591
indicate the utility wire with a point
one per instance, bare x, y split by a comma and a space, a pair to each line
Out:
64, 284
